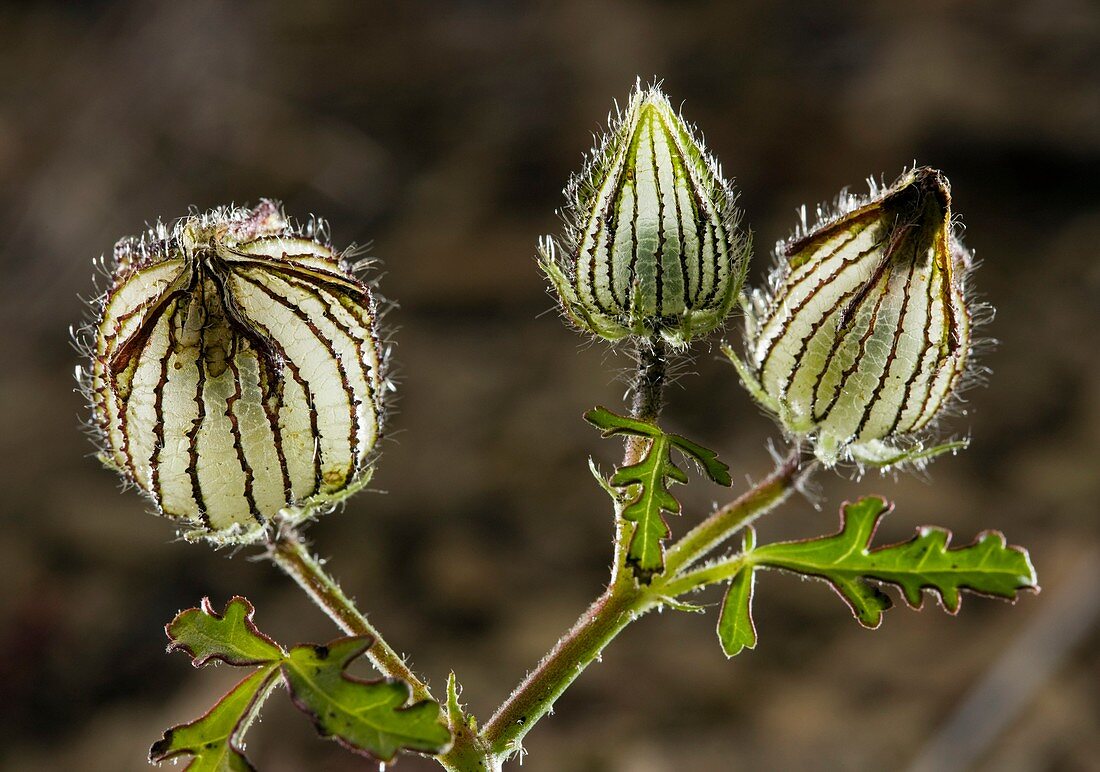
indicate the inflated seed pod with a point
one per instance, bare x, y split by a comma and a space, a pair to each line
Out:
865, 333
235, 371
651, 245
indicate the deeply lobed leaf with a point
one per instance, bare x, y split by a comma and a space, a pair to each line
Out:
367, 717
613, 423
650, 478
212, 740
647, 483
231, 636
845, 559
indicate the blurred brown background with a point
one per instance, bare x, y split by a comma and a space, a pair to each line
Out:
441, 134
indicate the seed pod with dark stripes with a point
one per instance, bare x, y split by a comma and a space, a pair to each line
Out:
651, 244
864, 335
235, 372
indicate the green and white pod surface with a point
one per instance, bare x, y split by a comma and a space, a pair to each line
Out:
651, 245
236, 373
864, 335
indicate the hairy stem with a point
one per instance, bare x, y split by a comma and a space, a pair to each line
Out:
623, 602
763, 497
647, 390
648, 386
620, 603
697, 579
290, 553
578, 648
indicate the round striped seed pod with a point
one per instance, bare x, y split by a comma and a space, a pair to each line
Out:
235, 372
651, 245
865, 334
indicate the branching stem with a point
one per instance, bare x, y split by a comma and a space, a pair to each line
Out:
698, 578
769, 493
623, 601
611, 612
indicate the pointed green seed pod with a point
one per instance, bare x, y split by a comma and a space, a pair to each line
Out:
235, 372
651, 245
865, 334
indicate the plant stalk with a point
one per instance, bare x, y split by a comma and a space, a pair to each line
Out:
698, 578
625, 599
763, 497
648, 387
611, 612
623, 602
290, 553
577, 649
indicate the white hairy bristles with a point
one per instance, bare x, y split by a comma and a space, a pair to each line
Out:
651, 245
865, 333
235, 371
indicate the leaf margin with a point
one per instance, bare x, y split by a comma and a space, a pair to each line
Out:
265, 679
207, 608
871, 584
352, 647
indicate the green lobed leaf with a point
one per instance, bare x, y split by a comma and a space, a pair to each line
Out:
212, 740
366, 717
988, 566
650, 478
647, 482
736, 630
230, 636
708, 461
613, 423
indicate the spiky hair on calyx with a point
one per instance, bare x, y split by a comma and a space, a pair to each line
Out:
236, 374
862, 339
651, 244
